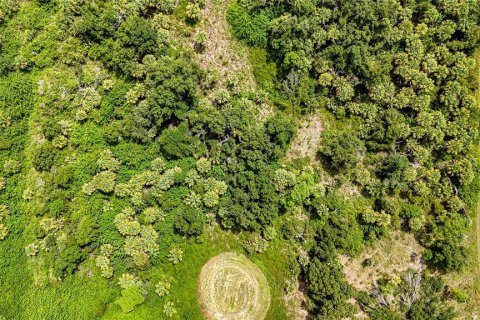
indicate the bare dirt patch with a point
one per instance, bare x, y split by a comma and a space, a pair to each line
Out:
296, 301
231, 287
308, 137
391, 257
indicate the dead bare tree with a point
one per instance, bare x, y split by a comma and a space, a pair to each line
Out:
383, 299
410, 287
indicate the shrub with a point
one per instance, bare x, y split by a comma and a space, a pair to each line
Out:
88, 188
126, 225
175, 255
106, 161
250, 28
190, 222
459, 295
193, 12
162, 288
103, 261
166, 6
3, 231
448, 255
128, 280
4, 212
12, 166
200, 41
86, 230
44, 157
68, 260
342, 150
64, 176
211, 199
51, 128
254, 243
151, 215
31, 250
130, 298
203, 166
169, 309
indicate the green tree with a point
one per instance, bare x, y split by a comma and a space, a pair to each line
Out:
86, 230
342, 151
130, 298
105, 181
190, 222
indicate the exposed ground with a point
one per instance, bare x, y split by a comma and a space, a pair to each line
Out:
306, 142
226, 55
222, 52
296, 300
231, 287
391, 256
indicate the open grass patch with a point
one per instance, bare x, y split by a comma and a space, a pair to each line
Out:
231, 287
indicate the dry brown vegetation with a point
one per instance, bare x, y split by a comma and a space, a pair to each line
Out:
295, 301
226, 55
222, 52
390, 257
308, 137
231, 287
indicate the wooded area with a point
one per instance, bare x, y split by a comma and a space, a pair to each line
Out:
125, 165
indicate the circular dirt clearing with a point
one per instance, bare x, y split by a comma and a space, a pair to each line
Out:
231, 287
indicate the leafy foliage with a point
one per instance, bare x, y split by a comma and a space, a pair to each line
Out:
123, 160
400, 74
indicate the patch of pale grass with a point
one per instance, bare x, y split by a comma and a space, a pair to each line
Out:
231, 287
390, 257
307, 139
222, 52
225, 54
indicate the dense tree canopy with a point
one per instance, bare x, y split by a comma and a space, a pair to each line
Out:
399, 74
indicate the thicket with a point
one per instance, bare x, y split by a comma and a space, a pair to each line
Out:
398, 75
114, 157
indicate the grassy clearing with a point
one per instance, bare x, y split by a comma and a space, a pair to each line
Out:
222, 52
273, 263
232, 287
307, 139
230, 58
390, 256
